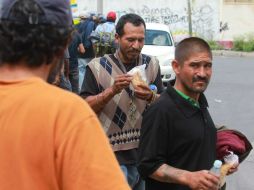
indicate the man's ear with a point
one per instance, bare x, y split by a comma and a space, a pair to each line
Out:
117, 37
175, 66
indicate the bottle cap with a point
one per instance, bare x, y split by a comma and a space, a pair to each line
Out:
217, 163
153, 87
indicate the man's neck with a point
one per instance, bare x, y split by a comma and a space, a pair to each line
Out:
21, 72
192, 95
123, 59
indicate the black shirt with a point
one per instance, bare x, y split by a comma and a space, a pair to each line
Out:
176, 133
73, 47
73, 50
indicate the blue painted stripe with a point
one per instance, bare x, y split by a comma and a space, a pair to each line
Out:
106, 65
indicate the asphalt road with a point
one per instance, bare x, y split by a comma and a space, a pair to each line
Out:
230, 96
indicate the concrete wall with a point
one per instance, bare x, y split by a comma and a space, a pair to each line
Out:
211, 19
205, 16
237, 19
87, 5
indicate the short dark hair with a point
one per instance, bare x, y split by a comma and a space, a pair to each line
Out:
186, 47
132, 18
35, 44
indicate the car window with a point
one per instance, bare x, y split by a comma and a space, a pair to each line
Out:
158, 38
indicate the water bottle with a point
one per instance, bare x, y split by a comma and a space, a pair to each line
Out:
216, 167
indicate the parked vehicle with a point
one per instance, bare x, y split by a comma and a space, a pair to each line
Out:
159, 43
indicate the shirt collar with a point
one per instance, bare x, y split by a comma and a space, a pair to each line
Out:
189, 99
184, 105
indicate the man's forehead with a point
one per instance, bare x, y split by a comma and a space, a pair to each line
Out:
136, 32
204, 55
130, 27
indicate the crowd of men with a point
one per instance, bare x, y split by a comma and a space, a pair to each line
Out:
93, 37
111, 135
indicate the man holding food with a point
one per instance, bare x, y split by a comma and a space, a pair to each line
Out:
178, 136
116, 97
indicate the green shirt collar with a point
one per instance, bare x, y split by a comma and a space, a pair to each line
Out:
189, 99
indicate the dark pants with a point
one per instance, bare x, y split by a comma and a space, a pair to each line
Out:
74, 75
74, 79
82, 63
134, 180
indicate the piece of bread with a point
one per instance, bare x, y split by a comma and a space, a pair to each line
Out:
137, 80
223, 172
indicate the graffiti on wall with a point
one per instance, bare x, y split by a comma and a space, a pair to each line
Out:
160, 15
202, 19
223, 26
157, 15
203, 23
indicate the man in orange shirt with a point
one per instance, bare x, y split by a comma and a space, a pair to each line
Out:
49, 138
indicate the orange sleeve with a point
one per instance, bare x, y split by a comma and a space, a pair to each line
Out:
85, 159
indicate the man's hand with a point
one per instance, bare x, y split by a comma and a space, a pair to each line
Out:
199, 180
233, 169
121, 82
202, 180
81, 49
143, 92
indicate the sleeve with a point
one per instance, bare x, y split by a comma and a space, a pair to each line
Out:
98, 29
89, 85
153, 147
79, 39
84, 158
86, 41
79, 27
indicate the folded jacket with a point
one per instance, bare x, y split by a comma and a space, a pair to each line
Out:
229, 140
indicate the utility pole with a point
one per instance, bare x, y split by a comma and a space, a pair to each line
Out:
189, 17
100, 6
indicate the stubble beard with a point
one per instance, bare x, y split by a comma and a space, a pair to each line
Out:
193, 89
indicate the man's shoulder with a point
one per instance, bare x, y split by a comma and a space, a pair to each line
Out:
94, 61
99, 28
105, 58
42, 94
76, 35
66, 102
145, 55
110, 25
150, 61
163, 105
51, 93
165, 101
149, 58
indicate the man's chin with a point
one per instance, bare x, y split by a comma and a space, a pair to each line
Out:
133, 57
200, 89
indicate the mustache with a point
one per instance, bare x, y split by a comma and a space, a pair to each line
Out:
200, 79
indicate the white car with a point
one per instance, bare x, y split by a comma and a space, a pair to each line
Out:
159, 43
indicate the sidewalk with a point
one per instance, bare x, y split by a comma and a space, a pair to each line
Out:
229, 53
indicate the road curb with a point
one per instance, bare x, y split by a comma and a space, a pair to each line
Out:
229, 53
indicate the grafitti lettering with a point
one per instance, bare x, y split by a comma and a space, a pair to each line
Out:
223, 26
202, 18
